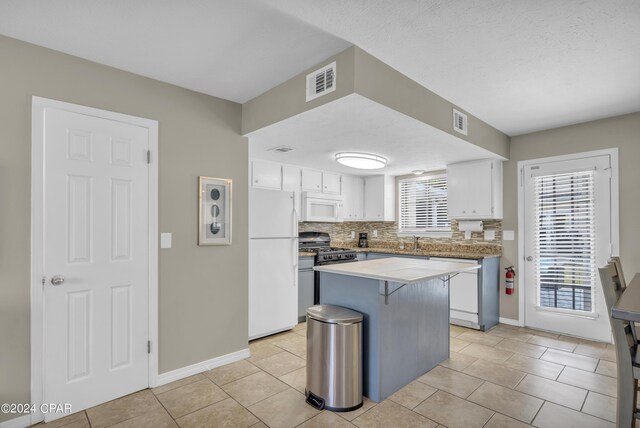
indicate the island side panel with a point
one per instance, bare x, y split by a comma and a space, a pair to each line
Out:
489, 293
414, 331
359, 294
434, 324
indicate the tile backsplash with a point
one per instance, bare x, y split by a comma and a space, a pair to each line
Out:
388, 233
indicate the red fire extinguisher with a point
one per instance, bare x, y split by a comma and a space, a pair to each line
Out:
508, 280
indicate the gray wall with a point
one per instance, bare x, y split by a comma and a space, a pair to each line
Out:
289, 98
358, 72
622, 132
385, 85
203, 290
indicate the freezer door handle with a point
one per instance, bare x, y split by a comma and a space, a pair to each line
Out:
294, 253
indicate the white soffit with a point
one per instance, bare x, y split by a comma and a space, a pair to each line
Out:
232, 49
520, 66
357, 124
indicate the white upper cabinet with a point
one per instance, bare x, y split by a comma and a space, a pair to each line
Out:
353, 198
290, 178
311, 180
379, 198
331, 183
474, 190
266, 175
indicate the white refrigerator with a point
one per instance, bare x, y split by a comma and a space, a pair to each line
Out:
273, 262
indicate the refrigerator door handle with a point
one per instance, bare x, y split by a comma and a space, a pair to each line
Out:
294, 231
294, 228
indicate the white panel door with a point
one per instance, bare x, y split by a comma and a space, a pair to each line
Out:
273, 291
96, 243
567, 226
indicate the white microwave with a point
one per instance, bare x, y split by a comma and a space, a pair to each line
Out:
319, 207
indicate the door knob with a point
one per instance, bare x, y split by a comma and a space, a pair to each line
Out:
529, 259
57, 280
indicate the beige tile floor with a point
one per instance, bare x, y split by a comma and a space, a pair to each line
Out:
507, 377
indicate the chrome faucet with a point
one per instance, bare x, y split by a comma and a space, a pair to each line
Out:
415, 242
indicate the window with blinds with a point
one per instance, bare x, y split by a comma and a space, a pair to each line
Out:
423, 204
565, 240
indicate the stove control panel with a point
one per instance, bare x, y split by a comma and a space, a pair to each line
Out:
336, 257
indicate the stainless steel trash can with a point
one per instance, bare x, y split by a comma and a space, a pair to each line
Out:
334, 358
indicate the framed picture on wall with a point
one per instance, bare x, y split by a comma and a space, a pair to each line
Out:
214, 220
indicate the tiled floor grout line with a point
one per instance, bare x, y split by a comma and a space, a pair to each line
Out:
167, 410
537, 413
515, 388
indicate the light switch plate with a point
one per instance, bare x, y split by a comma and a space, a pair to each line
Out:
489, 235
508, 235
375, 233
353, 234
165, 240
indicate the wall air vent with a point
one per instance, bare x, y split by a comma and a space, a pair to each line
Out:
321, 81
459, 122
281, 149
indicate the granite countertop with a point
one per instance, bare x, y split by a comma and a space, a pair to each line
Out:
397, 269
424, 252
442, 251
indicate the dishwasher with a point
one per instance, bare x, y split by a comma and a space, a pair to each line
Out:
463, 295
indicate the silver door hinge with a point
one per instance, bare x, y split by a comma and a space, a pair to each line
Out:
44, 279
148, 156
149, 347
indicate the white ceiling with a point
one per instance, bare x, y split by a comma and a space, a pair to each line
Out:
361, 125
519, 65
232, 49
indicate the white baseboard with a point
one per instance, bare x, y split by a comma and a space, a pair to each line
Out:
19, 422
200, 367
509, 321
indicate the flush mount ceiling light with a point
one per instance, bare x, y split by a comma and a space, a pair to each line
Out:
418, 171
361, 160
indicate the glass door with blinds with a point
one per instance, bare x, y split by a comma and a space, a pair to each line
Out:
567, 237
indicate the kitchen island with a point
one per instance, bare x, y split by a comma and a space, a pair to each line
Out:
405, 304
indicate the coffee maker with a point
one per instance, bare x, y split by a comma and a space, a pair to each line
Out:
362, 242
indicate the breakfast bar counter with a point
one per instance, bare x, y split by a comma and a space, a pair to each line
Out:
405, 304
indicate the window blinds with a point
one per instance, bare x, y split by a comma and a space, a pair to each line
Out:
565, 240
423, 204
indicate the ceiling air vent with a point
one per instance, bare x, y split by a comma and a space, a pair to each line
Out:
281, 149
459, 122
321, 81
